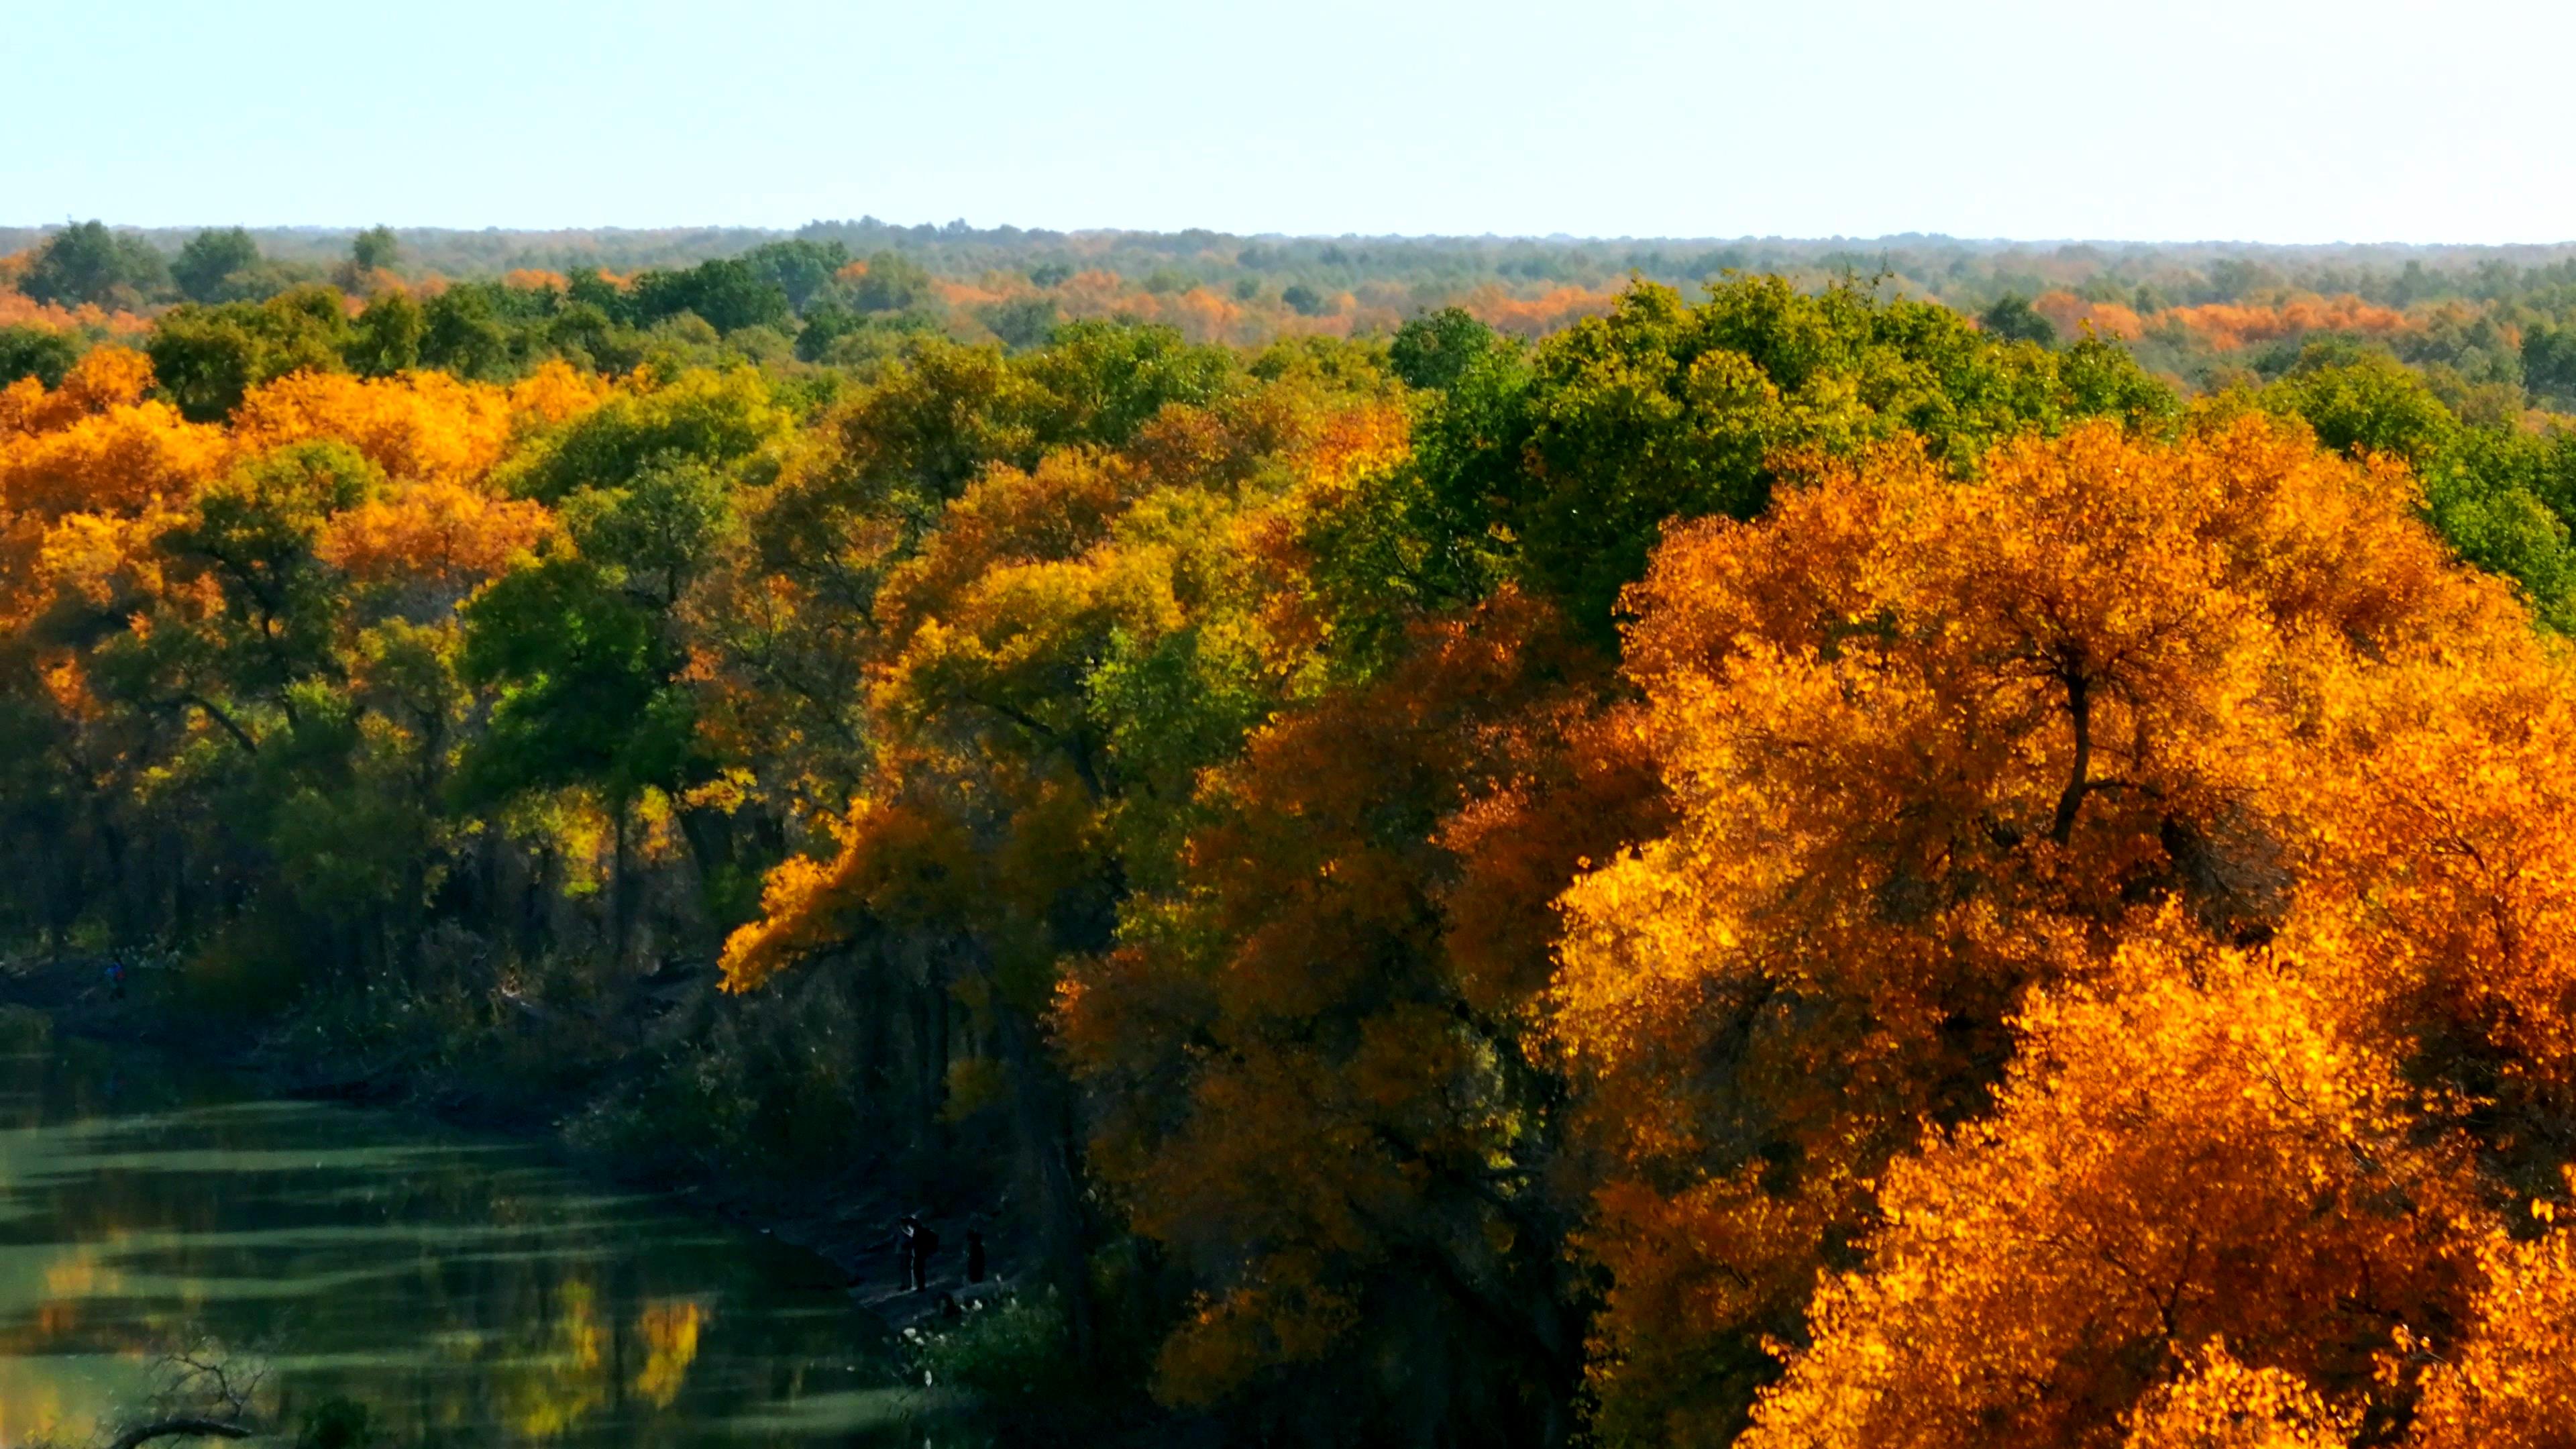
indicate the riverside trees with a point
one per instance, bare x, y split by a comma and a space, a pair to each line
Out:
1778, 866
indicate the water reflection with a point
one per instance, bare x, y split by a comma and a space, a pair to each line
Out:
468, 1292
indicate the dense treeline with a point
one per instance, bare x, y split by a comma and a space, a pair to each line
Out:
1785, 866
2489, 326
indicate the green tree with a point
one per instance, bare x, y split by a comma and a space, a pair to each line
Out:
728, 295
659, 529
725, 420
2012, 318
1568, 474
893, 283
801, 269
207, 265
85, 263
387, 337
206, 358
375, 249
1437, 348
1023, 321
2362, 401
462, 333
36, 352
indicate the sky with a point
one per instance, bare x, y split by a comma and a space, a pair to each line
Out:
2259, 120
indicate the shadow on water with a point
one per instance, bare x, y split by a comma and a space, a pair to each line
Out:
465, 1290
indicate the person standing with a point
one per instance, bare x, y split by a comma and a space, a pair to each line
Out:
919, 1242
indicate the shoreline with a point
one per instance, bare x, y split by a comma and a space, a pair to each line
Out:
853, 1240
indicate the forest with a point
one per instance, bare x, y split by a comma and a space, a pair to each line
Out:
1476, 842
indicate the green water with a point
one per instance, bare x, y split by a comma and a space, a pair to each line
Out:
463, 1289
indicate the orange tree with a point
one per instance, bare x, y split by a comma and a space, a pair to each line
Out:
2022, 955
1046, 670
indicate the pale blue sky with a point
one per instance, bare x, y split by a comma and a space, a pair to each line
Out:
2260, 120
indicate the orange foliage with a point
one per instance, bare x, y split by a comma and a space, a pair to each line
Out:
1309, 1054
121, 460
438, 531
1534, 317
2512, 1384
2072, 316
2227, 326
104, 378
2192, 1157
418, 426
20, 311
534, 279
1940, 749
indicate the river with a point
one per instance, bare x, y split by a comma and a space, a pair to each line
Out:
463, 1289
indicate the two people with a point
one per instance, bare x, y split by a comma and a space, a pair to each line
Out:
916, 1241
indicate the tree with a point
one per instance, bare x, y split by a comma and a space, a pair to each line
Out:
891, 283
1056, 654
375, 249
1663, 411
2012, 318
801, 269
85, 263
462, 333
727, 295
1938, 746
1023, 321
207, 265
1308, 1049
588, 696
2192, 1161
388, 336
2363, 402
2549, 363
36, 352
208, 358
1436, 349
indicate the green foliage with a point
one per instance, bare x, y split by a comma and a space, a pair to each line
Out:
723, 419
207, 267
36, 352
255, 533
387, 337
2549, 362
1014, 1353
463, 332
800, 269
2012, 319
660, 529
337, 1424
582, 677
206, 358
2362, 402
85, 263
1435, 349
1023, 321
729, 295
375, 249
1564, 471
892, 283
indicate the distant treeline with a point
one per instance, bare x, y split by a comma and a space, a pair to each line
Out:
1966, 272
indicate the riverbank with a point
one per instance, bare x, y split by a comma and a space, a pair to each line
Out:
847, 1220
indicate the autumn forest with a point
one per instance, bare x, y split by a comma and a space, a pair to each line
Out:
1450, 842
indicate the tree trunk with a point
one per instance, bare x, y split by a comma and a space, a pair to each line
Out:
621, 891
1046, 1130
